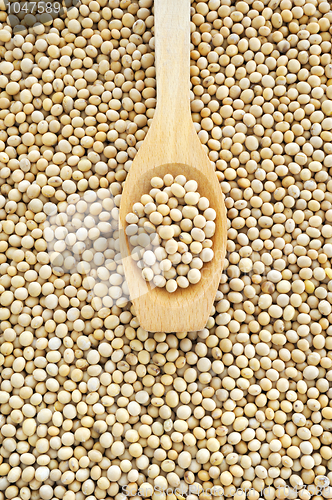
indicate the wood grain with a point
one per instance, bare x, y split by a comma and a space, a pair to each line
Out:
172, 146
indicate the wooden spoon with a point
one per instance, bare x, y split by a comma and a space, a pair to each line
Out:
172, 146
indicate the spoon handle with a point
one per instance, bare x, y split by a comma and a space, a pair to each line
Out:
172, 48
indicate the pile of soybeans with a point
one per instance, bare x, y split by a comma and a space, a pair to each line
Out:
169, 231
91, 405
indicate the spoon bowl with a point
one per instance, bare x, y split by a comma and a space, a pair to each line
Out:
173, 147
